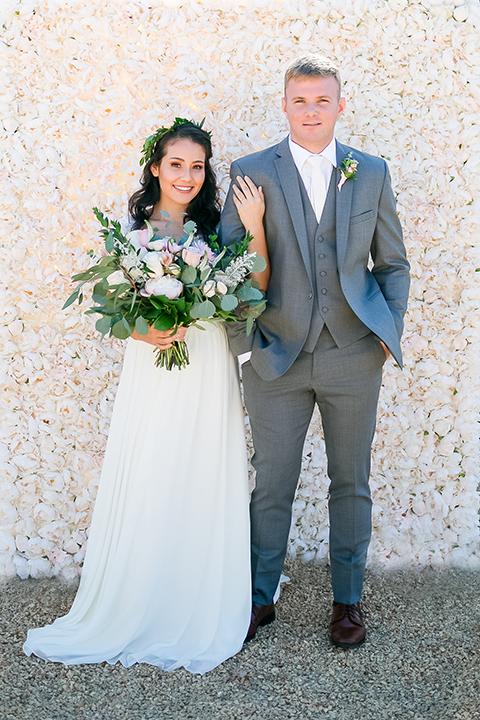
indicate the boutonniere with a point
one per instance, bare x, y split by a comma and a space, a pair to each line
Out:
348, 169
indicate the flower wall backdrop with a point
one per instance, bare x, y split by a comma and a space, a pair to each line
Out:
83, 83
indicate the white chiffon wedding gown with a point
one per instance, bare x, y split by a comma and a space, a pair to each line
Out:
166, 578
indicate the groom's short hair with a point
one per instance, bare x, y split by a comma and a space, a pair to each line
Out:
312, 66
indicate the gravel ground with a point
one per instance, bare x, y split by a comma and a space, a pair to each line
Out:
421, 660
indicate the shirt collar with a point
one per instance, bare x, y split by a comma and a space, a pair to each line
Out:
300, 154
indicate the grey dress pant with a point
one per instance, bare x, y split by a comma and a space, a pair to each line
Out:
345, 383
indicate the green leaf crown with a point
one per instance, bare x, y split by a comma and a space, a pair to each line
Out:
151, 141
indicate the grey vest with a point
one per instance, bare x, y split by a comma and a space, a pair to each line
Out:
331, 308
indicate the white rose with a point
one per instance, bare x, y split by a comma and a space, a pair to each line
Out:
154, 263
222, 288
116, 278
135, 273
159, 244
167, 286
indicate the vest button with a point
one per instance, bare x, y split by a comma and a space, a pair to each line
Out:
324, 310
324, 291
321, 256
310, 295
320, 238
323, 273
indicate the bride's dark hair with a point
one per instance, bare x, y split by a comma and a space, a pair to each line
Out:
204, 209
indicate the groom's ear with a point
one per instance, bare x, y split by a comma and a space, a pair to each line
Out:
342, 104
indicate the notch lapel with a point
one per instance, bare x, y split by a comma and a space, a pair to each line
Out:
343, 206
288, 176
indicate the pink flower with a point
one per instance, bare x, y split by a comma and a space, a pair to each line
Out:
139, 238
192, 255
343, 180
166, 257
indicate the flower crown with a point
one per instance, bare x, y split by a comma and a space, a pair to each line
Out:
151, 141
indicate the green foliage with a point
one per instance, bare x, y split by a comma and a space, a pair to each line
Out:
141, 325
103, 325
121, 329
259, 264
202, 310
228, 302
189, 275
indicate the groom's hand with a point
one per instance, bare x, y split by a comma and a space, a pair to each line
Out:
250, 203
387, 351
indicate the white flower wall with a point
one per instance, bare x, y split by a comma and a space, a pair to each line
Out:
82, 84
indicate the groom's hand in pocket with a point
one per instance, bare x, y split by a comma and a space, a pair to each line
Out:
387, 351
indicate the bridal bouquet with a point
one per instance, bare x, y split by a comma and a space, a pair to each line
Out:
144, 280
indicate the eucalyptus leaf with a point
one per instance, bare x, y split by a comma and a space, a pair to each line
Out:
259, 264
189, 227
103, 325
100, 289
250, 321
202, 310
71, 299
229, 302
247, 293
189, 275
121, 329
141, 326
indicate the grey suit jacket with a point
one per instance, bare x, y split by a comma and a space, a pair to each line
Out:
367, 227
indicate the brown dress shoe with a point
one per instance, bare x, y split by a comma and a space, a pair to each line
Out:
261, 615
347, 626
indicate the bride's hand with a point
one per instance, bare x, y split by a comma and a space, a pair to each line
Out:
250, 203
161, 339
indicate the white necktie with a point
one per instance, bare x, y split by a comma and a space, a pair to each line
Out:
318, 187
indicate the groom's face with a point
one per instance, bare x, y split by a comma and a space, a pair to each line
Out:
312, 107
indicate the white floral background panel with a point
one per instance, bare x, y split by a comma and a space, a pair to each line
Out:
83, 83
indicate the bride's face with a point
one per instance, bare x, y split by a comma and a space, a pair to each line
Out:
181, 172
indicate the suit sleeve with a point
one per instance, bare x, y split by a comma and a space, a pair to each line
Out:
231, 230
391, 267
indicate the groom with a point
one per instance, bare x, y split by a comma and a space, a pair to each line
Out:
336, 299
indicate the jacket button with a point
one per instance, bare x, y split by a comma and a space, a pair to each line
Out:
310, 295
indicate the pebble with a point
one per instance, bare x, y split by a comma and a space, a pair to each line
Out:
421, 660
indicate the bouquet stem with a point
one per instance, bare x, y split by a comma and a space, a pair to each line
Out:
174, 356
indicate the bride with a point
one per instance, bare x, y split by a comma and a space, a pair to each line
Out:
166, 578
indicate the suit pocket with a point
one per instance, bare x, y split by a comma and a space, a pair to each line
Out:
363, 217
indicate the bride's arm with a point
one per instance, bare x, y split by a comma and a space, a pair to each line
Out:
250, 205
